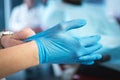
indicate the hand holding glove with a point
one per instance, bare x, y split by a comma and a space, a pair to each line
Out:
55, 45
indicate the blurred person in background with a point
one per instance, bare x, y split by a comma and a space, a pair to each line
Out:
28, 14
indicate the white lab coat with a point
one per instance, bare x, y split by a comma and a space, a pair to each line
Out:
54, 13
22, 17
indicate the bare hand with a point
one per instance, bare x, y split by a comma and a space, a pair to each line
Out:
12, 40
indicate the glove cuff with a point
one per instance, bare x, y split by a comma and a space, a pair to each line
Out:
41, 51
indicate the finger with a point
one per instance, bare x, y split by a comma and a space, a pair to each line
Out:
31, 38
73, 24
48, 32
93, 48
91, 57
13, 42
86, 51
23, 34
82, 51
9, 41
68, 25
63, 26
87, 63
90, 40
58, 28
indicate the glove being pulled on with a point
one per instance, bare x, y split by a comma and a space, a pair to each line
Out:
55, 45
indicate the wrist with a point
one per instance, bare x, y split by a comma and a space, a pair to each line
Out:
41, 51
23, 56
34, 52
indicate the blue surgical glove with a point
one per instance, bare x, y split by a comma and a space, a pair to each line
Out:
55, 45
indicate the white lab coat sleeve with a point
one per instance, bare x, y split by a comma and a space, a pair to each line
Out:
54, 14
14, 24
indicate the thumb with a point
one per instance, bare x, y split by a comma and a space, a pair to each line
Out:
73, 24
23, 34
65, 26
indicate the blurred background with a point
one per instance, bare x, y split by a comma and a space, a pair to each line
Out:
102, 16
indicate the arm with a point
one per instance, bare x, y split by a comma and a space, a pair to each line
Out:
11, 57
17, 58
54, 45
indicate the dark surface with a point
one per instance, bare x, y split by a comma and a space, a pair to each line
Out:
40, 72
74, 2
97, 72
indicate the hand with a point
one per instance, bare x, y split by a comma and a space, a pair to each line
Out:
55, 45
12, 40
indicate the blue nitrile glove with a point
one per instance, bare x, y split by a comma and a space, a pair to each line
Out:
55, 45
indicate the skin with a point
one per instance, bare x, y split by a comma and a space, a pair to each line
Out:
17, 57
8, 41
29, 3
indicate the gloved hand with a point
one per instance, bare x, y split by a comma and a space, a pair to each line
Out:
55, 45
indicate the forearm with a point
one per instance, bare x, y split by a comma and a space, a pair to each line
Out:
17, 58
